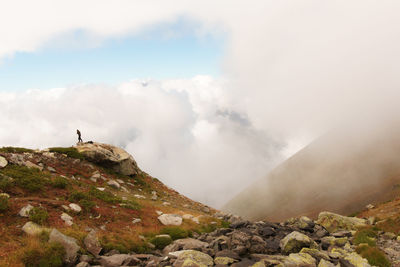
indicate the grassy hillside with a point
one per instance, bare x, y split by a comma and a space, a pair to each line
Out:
51, 180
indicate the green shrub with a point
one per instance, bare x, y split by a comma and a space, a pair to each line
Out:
44, 236
366, 235
38, 215
50, 255
71, 152
5, 182
77, 196
374, 256
123, 244
175, 232
83, 198
10, 149
59, 182
161, 241
30, 179
105, 196
225, 224
3, 202
130, 204
208, 228
87, 205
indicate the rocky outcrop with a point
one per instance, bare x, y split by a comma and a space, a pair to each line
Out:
109, 156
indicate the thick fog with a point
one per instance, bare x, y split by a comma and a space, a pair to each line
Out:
292, 70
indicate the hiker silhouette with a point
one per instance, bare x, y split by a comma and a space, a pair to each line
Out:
79, 136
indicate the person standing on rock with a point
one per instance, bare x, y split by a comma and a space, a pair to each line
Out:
79, 136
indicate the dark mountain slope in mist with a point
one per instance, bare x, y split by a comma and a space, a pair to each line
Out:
341, 172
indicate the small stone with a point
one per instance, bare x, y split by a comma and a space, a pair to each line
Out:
123, 188
33, 165
139, 196
325, 263
5, 195
224, 260
49, 155
114, 184
75, 207
3, 162
101, 188
206, 209
32, 228
370, 206
96, 175
120, 181
67, 219
65, 207
389, 236
159, 212
51, 169
24, 212
136, 220
187, 217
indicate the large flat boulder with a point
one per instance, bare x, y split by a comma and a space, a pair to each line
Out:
109, 156
335, 222
170, 219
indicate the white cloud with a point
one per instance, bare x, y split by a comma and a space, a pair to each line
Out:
199, 149
291, 69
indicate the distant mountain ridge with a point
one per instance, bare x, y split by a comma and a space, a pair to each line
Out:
341, 172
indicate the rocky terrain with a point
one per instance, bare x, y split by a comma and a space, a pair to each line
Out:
91, 205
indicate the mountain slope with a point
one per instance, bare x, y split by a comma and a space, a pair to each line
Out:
341, 172
123, 209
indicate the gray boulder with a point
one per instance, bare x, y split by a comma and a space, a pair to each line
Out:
92, 243
185, 244
335, 222
24, 212
3, 162
170, 219
117, 260
295, 241
193, 258
31, 228
69, 243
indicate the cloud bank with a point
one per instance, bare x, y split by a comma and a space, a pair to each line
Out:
181, 131
292, 70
